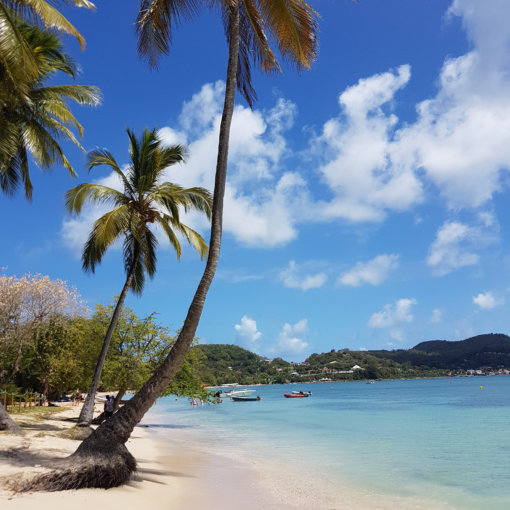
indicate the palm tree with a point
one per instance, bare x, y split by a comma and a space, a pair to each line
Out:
144, 201
32, 122
102, 460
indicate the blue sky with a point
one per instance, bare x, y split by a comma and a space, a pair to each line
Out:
367, 201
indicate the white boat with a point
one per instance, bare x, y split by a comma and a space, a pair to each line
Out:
231, 390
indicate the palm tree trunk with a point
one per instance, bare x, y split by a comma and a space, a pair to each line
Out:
87, 411
7, 423
102, 460
118, 398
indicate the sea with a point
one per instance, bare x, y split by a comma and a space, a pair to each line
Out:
444, 440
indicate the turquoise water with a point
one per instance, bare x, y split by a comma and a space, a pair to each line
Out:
444, 440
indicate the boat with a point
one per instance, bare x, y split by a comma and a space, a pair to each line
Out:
246, 399
297, 394
371, 381
232, 391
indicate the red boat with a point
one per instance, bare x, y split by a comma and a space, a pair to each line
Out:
297, 394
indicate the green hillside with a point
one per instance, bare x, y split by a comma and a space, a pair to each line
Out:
222, 363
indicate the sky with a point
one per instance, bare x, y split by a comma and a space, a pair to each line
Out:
367, 199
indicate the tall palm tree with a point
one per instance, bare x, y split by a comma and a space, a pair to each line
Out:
31, 123
102, 460
144, 201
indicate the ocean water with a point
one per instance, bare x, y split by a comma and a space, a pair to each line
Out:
441, 440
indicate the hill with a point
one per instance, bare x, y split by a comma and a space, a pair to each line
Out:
482, 351
221, 363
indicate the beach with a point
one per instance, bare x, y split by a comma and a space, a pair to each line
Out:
180, 468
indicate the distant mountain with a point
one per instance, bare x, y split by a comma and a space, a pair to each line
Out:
490, 350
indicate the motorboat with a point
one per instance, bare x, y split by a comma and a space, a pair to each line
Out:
297, 394
246, 399
231, 390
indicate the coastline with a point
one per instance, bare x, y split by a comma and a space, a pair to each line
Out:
183, 468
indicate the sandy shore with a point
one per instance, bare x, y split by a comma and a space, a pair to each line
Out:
178, 469
168, 476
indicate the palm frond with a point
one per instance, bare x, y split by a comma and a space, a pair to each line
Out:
16, 55
169, 156
53, 18
43, 147
149, 253
133, 263
99, 157
293, 25
171, 195
77, 196
105, 232
194, 238
82, 94
165, 222
154, 25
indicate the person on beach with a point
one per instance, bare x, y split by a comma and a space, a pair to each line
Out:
108, 406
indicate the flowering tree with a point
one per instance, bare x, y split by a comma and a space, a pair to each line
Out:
27, 303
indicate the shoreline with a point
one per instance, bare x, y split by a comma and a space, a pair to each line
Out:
181, 467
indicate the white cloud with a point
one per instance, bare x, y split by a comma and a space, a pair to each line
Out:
360, 168
392, 315
460, 136
459, 141
291, 340
487, 301
451, 248
246, 332
374, 271
437, 316
293, 277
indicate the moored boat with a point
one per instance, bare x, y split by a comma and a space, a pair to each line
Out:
297, 394
246, 399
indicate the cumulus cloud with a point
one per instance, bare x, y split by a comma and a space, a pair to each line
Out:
392, 315
293, 276
360, 169
458, 142
373, 272
247, 333
452, 248
291, 340
487, 301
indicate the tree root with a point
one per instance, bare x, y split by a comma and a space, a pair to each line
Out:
100, 469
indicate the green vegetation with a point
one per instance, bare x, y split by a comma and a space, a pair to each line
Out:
49, 345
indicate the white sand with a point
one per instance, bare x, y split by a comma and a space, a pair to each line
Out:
177, 470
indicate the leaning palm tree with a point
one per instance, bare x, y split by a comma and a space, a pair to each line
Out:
102, 460
145, 200
31, 123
